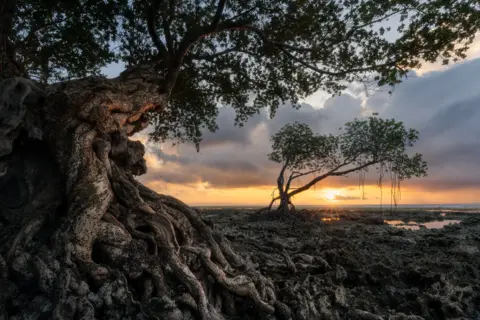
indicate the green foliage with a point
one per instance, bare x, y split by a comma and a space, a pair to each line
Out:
297, 146
382, 141
249, 54
58, 40
362, 143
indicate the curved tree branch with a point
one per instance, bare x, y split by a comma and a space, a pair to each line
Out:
211, 57
332, 172
166, 21
152, 30
286, 47
216, 26
350, 32
240, 14
188, 40
194, 35
218, 14
272, 202
296, 175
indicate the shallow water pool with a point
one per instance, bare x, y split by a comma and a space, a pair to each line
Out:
412, 225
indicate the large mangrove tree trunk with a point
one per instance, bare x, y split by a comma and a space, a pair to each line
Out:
80, 238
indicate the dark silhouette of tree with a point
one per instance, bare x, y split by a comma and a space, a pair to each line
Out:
209, 53
79, 235
363, 144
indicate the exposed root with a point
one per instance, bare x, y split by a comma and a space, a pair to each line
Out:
3, 268
240, 285
120, 250
164, 238
126, 192
25, 234
289, 262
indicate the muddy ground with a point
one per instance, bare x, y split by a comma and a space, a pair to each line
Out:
354, 266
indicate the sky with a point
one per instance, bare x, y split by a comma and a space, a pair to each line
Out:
442, 102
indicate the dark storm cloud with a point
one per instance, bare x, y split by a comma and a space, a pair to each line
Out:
452, 117
287, 114
228, 132
455, 155
443, 106
180, 176
166, 157
335, 113
233, 177
237, 157
226, 164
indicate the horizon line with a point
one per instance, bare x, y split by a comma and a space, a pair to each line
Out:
343, 205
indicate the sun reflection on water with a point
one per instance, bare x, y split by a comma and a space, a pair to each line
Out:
330, 219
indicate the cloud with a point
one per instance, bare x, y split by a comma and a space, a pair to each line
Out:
236, 157
444, 106
228, 133
347, 198
168, 157
472, 53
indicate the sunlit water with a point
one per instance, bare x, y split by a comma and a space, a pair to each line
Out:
330, 219
412, 225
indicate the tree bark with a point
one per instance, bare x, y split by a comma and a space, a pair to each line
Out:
80, 238
284, 205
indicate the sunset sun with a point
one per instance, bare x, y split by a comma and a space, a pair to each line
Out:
331, 194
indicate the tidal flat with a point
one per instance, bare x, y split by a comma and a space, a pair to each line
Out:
357, 264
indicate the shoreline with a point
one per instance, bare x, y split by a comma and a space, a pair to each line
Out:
385, 207
358, 267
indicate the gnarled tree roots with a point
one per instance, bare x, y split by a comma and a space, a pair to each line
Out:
82, 239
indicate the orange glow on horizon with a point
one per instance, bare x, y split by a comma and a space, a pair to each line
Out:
331, 194
202, 193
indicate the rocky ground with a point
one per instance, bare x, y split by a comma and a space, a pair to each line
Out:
355, 266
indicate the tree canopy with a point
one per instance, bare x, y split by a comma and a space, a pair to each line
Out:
363, 143
83, 237
249, 54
